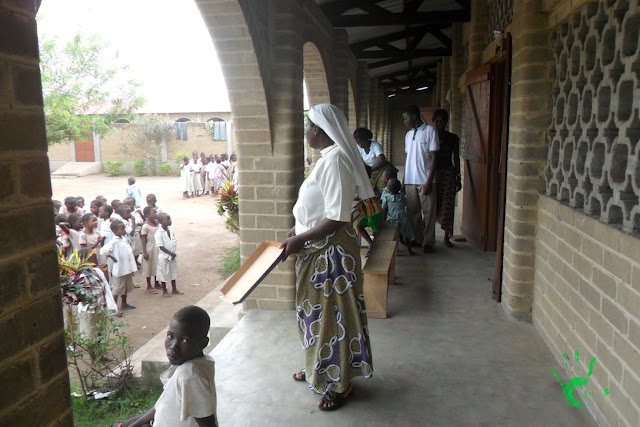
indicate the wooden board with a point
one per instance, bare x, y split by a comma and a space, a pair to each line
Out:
265, 258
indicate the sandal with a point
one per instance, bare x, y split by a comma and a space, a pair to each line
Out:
336, 400
152, 291
300, 376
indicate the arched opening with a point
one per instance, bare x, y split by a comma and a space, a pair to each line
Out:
183, 120
315, 82
122, 121
353, 122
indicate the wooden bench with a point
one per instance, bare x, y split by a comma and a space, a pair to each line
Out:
379, 272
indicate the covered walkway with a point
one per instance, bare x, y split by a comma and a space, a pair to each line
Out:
448, 355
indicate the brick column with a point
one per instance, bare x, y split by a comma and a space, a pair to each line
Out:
373, 105
478, 28
362, 95
446, 82
436, 102
532, 62
33, 368
340, 93
455, 108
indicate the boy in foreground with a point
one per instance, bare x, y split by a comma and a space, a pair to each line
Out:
189, 396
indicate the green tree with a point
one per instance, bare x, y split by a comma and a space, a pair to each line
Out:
83, 90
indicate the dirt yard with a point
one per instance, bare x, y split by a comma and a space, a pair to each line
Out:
202, 242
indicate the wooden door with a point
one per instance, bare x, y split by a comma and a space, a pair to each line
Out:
84, 151
477, 156
504, 85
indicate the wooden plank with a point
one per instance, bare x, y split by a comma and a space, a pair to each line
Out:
388, 231
380, 258
432, 17
376, 289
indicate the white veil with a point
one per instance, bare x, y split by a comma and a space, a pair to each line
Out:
332, 121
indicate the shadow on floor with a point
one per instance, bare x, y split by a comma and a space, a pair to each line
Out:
448, 355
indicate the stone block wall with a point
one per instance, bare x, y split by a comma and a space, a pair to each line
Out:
33, 370
593, 159
586, 298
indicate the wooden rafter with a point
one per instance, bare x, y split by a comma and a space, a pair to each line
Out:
426, 69
434, 17
443, 51
416, 53
398, 35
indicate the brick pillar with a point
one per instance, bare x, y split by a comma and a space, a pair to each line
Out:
379, 112
33, 368
446, 82
455, 108
436, 102
478, 28
529, 121
362, 95
373, 106
340, 93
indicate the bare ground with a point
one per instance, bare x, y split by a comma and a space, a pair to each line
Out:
202, 242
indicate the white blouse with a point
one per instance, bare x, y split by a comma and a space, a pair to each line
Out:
375, 149
327, 192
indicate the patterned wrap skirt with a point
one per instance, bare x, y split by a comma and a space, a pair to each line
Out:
446, 198
332, 321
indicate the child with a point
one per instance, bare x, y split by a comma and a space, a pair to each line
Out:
62, 238
206, 181
80, 205
115, 203
396, 204
90, 238
120, 258
104, 223
186, 185
134, 191
94, 207
72, 228
57, 204
151, 201
167, 242
149, 248
189, 395
138, 220
123, 213
203, 175
218, 174
371, 216
102, 199
69, 206
389, 172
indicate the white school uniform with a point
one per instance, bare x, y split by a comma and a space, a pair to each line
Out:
167, 267
186, 184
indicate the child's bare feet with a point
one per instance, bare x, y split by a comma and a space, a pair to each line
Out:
177, 292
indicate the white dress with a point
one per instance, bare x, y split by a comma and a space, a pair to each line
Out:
195, 174
186, 184
167, 267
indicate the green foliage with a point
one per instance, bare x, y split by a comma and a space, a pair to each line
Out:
230, 262
228, 206
119, 406
100, 359
79, 89
306, 173
140, 168
165, 169
148, 132
179, 155
114, 168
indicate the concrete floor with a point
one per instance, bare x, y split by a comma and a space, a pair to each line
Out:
448, 355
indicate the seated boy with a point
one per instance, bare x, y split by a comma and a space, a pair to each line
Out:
189, 396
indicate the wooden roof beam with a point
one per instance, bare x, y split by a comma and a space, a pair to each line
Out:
435, 17
416, 53
399, 35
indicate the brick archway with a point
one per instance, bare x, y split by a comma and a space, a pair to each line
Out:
315, 78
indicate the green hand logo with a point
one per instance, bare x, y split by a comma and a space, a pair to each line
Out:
570, 386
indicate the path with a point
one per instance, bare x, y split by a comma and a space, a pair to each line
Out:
202, 242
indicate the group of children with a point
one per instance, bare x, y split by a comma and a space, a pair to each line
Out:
206, 174
123, 238
389, 205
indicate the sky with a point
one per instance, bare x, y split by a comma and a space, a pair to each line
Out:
165, 43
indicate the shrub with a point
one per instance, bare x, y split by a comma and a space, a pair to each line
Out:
140, 168
114, 168
228, 206
179, 155
165, 169
230, 262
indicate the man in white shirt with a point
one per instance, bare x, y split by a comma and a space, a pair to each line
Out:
420, 143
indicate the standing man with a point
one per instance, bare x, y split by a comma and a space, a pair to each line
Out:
420, 144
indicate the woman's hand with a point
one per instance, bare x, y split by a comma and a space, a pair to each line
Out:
291, 232
292, 246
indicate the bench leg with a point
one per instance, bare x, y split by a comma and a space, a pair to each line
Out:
375, 294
